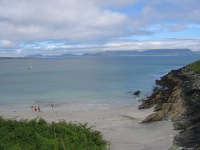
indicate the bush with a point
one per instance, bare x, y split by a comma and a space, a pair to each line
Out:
38, 134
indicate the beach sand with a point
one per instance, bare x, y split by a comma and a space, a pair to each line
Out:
120, 126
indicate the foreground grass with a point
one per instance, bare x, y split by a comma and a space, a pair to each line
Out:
195, 66
40, 135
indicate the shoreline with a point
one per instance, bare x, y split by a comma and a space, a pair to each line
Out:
119, 125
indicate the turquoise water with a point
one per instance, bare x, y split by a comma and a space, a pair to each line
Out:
82, 81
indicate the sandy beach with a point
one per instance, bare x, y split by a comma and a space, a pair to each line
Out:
120, 126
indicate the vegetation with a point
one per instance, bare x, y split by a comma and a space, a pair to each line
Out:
195, 66
40, 135
175, 147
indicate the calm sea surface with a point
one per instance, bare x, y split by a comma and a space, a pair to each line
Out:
82, 82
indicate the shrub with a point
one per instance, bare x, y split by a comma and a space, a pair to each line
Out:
38, 134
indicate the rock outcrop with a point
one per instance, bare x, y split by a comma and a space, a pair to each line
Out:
178, 98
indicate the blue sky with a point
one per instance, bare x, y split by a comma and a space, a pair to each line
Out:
53, 27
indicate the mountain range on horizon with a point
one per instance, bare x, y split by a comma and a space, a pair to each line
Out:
151, 52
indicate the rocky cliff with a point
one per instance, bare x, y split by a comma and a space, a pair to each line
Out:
177, 97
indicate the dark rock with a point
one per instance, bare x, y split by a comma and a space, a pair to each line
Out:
189, 138
137, 93
192, 92
179, 125
156, 89
178, 99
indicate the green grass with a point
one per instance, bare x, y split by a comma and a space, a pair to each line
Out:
195, 66
40, 135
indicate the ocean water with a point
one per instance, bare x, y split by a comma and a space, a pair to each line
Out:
82, 82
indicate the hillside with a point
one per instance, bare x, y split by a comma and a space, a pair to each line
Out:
178, 98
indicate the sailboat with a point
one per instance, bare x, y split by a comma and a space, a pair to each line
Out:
30, 67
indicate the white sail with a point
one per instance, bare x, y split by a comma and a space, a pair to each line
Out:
30, 67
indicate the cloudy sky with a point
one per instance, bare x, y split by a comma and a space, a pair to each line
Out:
78, 26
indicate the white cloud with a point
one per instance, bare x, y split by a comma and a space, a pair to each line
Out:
176, 28
6, 44
61, 19
89, 19
166, 11
94, 22
193, 44
19, 51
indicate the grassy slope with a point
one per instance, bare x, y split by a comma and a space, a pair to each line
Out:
195, 66
31, 135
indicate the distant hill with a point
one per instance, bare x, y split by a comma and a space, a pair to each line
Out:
35, 56
50, 56
151, 52
168, 52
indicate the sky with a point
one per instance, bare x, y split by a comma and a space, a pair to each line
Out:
54, 27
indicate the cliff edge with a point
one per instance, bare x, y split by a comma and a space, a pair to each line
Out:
177, 97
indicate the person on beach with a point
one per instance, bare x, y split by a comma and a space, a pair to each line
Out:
38, 108
35, 108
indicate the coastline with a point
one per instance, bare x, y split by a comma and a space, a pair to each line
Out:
178, 99
119, 125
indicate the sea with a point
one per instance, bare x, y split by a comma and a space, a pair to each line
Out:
82, 83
